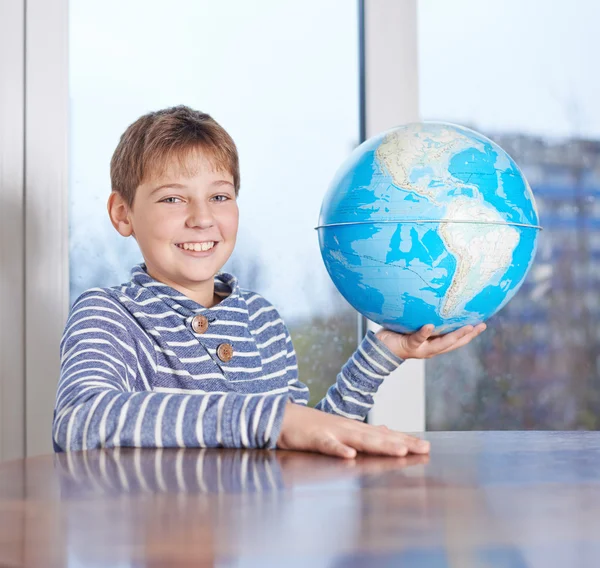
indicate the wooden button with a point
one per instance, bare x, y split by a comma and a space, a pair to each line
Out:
200, 324
225, 352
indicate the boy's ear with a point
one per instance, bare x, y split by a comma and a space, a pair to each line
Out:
118, 211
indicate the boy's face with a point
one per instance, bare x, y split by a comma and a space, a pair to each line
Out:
185, 223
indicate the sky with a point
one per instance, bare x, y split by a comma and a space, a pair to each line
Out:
282, 78
523, 66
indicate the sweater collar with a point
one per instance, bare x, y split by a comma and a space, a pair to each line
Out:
226, 286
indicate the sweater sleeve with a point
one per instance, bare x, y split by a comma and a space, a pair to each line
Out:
100, 403
352, 393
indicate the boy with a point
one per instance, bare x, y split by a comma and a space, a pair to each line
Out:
181, 356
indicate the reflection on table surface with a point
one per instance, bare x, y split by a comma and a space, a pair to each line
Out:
482, 499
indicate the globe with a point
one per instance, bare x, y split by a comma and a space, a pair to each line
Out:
428, 223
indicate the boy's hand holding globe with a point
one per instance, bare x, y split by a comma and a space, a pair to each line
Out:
423, 345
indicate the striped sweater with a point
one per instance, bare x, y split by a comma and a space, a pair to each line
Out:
136, 370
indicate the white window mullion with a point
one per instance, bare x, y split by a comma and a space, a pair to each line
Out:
391, 98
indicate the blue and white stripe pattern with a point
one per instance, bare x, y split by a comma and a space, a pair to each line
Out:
135, 373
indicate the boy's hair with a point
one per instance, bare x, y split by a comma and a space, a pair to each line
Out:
148, 144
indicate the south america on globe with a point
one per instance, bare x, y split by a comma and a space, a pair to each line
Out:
428, 223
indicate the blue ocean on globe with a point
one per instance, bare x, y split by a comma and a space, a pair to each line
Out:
428, 223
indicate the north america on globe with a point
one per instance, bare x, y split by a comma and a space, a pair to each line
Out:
428, 223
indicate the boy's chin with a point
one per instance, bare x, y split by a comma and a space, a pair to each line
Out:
198, 275
199, 271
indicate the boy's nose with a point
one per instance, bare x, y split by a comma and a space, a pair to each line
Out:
200, 216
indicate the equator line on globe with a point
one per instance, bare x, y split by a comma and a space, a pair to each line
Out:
428, 223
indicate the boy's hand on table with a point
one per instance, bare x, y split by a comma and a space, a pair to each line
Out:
312, 430
421, 345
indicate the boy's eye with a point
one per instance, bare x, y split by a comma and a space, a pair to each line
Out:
221, 197
168, 200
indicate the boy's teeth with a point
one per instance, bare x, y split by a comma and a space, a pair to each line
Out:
197, 246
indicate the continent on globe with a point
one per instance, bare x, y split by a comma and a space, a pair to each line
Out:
411, 162
482, 247
428, 223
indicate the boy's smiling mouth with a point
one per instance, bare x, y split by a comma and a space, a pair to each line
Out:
203, 246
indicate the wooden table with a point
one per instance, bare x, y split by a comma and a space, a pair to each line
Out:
483, 499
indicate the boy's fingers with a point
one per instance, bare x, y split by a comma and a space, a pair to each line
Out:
465, 339
480, 328
440, 344
420, 336
368, 439
333, 447
462, 341
457, 334
416, 445
378, 442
